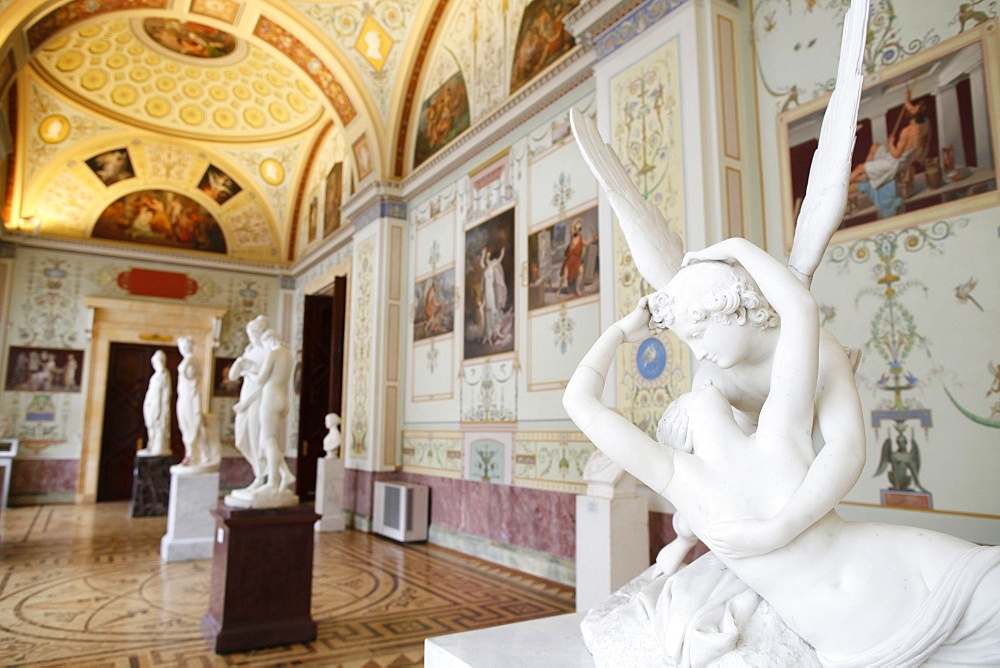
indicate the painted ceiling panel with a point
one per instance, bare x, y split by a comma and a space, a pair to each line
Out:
180, 78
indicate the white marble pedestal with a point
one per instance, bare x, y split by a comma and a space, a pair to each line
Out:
190, 523
612, 545
553, 642
330, 493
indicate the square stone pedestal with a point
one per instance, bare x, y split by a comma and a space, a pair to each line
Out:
190, 525
612, 545
330, 493
151, 485
553, 642
261, 579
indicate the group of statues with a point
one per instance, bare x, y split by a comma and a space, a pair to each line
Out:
202, 450
265, 368
758, 454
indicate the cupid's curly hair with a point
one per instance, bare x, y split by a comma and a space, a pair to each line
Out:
713, 291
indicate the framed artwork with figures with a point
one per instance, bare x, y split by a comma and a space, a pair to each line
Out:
489, 286
926, 145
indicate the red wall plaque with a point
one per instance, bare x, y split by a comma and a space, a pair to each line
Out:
151, 283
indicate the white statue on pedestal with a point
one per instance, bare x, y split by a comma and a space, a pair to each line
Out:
739, 462
330, 479
269, 383
247, 409
201, 452
156, 409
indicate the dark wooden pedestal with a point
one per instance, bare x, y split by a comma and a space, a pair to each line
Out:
261, 579
151, 485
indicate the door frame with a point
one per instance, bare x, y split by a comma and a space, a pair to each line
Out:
134, 321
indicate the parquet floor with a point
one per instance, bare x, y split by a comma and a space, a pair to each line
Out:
84, 586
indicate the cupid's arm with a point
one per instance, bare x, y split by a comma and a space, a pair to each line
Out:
618, 438
839, 463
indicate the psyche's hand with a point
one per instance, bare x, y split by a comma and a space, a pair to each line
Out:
637, 325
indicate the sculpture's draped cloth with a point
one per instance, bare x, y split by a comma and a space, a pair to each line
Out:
704, 614
699, 615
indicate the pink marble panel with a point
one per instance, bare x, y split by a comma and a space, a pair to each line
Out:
234, 473
530, 518
40, 476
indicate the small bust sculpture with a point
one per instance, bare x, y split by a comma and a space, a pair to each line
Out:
331, 444
156, 409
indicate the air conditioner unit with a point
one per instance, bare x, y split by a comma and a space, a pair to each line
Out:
400, 511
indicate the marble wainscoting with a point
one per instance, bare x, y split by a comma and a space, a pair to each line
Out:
43, 481
530, 530
359, 489
235, 473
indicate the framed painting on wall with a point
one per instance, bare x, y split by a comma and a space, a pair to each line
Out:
489, 282
435, 310
334, 194
43, 369
563, 261
926, 145
221, 385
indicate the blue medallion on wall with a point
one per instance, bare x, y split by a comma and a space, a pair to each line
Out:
651, 358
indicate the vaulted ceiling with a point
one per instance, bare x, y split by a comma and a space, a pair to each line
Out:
218, 127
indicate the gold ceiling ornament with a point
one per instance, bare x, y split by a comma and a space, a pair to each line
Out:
54, 129
271, 171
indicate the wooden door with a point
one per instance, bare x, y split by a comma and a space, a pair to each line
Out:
129, 371
322, 376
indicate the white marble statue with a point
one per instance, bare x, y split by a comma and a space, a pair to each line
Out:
331, 442
740, 465
247, 409
859, 593
274, 483
745, 379
201, 452
156, 409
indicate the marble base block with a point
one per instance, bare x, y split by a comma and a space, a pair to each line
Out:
553, 642
151, 485
612, 545
330, 494
190, 523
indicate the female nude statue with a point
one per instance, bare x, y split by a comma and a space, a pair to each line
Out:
859, 593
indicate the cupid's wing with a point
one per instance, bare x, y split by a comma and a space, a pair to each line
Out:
822, 208
656, 249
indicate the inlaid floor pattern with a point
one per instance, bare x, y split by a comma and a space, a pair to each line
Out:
84, 586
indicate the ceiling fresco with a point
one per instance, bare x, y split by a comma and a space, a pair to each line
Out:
134, 72
221, 127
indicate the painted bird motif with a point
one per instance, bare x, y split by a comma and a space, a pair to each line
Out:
964, 293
